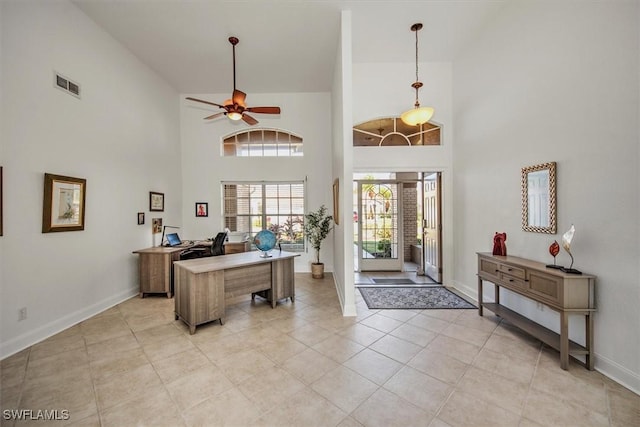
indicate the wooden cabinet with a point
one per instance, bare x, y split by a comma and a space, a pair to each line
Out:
155, 267
565, 293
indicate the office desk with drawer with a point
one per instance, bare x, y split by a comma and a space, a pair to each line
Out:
203, 284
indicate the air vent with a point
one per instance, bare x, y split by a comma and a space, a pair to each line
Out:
63, 83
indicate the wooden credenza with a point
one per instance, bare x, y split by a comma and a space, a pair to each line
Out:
565, 293
203, 284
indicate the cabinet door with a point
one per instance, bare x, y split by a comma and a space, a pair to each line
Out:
545, 286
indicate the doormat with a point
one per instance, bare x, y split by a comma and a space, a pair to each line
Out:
413, 298
393, 281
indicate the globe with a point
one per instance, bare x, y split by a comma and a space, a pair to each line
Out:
265, 240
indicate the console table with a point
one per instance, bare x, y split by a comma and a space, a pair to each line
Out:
203, 284
565, 293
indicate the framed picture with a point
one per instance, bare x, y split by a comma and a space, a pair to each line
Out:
63, 205
156, 201
156, 225
336, 201
140, 218
202, 209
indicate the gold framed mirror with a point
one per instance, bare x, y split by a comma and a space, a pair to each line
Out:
539, 198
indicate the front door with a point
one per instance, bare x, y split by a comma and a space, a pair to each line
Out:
379, 226
432, 226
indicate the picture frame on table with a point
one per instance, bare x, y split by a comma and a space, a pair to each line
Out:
63, 204
156, 201
202, 209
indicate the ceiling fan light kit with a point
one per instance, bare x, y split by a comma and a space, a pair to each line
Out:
417, 115
235, 107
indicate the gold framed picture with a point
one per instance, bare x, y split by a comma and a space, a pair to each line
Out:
64, 202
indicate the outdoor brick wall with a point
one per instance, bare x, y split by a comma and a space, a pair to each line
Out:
410, 217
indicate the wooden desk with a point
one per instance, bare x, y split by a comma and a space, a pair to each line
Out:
203, 284
565, 293
155, 266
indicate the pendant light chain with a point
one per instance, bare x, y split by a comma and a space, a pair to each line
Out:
417, 78
418, 115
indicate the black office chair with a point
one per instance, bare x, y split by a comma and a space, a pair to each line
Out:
217, 246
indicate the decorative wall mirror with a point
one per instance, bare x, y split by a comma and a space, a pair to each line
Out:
539, 198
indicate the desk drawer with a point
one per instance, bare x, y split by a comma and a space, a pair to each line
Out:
510, 270
246, 280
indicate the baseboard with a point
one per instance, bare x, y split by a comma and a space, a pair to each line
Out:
348, 310
605, 366
617, 373
469, 292
30, 338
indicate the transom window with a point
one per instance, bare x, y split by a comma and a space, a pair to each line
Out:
250, 207
262, 143
393, 131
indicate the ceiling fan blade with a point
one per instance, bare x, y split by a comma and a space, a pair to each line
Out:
238, 97
264, 110
213, 116
205, 102
249, 120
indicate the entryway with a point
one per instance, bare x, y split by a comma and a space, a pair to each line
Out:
397, 225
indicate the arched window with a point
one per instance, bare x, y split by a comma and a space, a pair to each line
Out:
392, 131
262, 143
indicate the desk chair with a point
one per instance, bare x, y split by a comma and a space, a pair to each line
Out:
217, 246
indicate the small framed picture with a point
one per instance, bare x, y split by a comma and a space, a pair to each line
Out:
140, 218
156, 201
202, 209
156, 225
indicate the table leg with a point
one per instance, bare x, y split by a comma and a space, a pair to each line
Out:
564, 341
479, 296
589, 338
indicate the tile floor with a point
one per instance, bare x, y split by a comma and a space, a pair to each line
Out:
304, 364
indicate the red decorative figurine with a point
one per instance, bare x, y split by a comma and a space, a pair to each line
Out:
499, 246
554, 250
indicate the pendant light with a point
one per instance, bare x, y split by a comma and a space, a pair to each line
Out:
417, 115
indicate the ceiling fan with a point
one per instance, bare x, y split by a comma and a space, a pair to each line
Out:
235, 108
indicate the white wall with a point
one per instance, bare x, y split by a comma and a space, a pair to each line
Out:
556, 81
342, 101
384, 90
203, 166
122, 137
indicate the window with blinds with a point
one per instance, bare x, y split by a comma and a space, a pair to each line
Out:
276, 206
262, 143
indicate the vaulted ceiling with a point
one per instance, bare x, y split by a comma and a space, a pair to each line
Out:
285, 46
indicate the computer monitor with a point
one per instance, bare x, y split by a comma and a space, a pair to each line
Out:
173, 239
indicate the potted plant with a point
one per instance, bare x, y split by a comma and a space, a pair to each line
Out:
317, 226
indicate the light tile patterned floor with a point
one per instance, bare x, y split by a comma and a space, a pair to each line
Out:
304, 364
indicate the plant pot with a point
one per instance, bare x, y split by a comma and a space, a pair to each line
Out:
317, 270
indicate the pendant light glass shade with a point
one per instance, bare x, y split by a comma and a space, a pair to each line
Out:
417, 115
